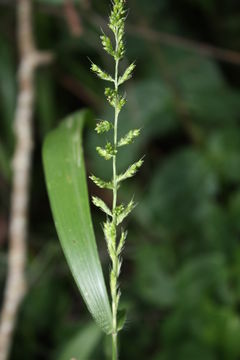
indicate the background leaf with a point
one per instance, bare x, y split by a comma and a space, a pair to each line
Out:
82, 345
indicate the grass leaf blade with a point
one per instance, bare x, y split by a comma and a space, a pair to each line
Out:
67, 188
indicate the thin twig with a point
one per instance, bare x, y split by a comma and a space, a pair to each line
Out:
201, 48
16, 283
73, 19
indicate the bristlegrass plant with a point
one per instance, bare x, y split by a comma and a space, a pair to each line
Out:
67, 189
115, 239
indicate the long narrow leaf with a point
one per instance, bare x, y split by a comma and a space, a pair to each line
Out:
67, 189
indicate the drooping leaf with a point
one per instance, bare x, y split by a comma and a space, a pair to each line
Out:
67, 189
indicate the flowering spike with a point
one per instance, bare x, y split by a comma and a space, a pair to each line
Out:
110, 236
100, 73
101, 183
103, 126
125, 212
107, 45
111, 96
127, 74
101, 204
121, 242
129, 137
118, 212
108, 152
131, 171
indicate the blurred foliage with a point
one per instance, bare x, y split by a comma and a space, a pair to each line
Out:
181, 275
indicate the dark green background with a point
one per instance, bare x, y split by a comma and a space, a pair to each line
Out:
181, 272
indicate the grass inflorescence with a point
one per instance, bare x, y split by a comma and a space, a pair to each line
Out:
115, 239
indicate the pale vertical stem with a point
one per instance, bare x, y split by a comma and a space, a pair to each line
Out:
21, 166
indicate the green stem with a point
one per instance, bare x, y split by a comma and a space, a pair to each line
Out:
114, 347
115, 143
115, 260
